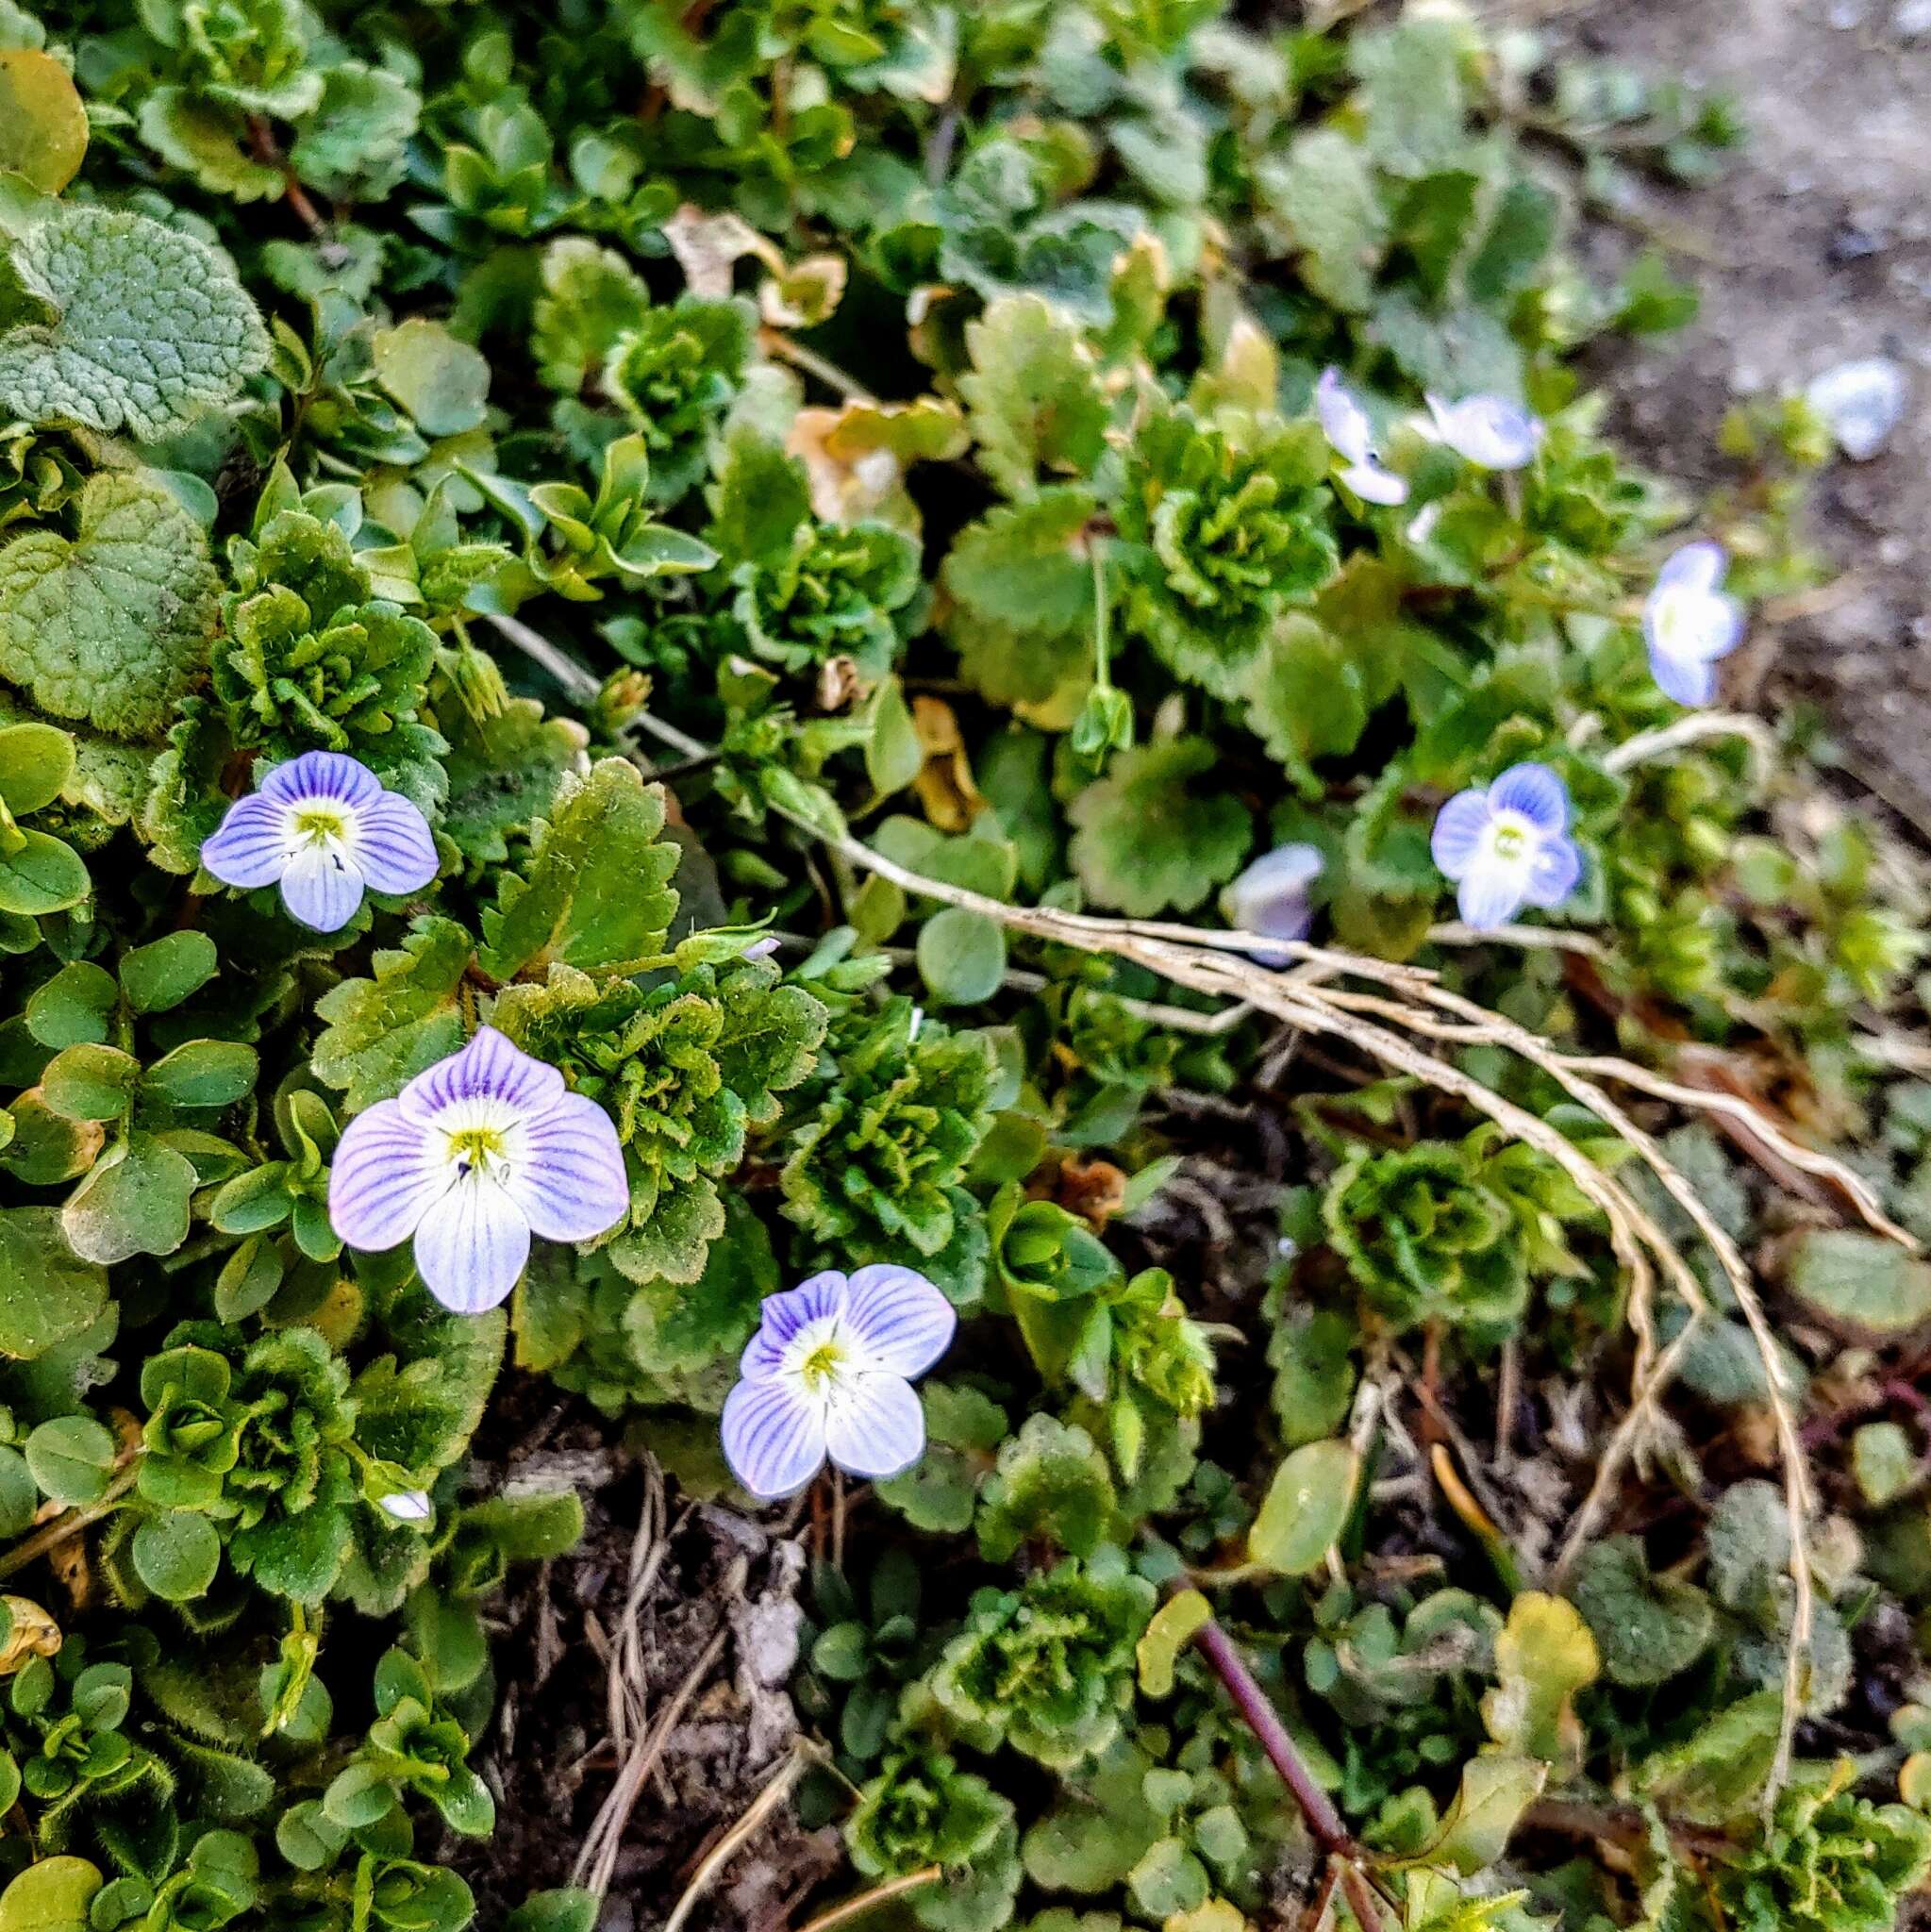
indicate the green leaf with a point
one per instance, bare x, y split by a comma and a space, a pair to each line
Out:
88, 1082
1305, 1507
1146, 841
71, 1458
72, 1008
1411, 92
152, 327
1304, 699
112, 624
176, 1555
51, 1895
1026, 564
354, 144
1170, 1632
380, 1033
1544, 1655
47, 1294
42, 120
166, 971
594, 893
1862, 1281
1323, 194
201, 1073
443, 383
134, 1201
1033, 396
1647, 1627
35, 763
43, 876
961, 956
1050, 1483
1496, 1788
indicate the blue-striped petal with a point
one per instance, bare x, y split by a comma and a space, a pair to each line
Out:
784, 1314
874, 1427
330, 777
568, 1176
471, 1245
1459, 828
322, 888
1536, 792
898, 1318
383, 1178
1554, 873
1491, 889
491, 1067
773, 1437
251, 846
394, 845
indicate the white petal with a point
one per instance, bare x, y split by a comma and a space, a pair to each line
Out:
1687, 680
874, 1427
898, 1318
783, 1315
772, 1435
1690, 624
1459, 828
1491, 889
394, 845
323, 777
1343, 421
1698, 566
568, 1175
322, 888
1270, 897
252, 846
471, 1245
384, 1178
407, 1506
489, 1068
1490, 431
1372, 484
1862, 401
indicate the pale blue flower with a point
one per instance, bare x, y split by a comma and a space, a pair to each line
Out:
1689, 622
1271, 898
1490, 431
470, 1159
1351, 436
324, 829
1508, 845
829, 1373
406, 1506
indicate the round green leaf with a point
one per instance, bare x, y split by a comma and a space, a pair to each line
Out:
42, 123
71, 1458
36, 761
90, 1082
72, 1008
43, 876
441, 381
961, 956
47, 1293
51, 1895
134, 1201
177, 1555
163, 973
1307, 1505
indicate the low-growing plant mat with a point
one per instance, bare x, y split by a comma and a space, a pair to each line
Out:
904, 1019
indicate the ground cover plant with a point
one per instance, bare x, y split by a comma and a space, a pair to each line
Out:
726, 710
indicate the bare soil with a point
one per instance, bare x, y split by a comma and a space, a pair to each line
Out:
1814, 247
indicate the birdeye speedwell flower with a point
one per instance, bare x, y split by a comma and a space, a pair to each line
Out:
829, 1373
1271, 898
1490, 431
1507, 845
470, 1159
1351, 436
324, 829
1689, 622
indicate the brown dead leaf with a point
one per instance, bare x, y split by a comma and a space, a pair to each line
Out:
947, 790
33, 1634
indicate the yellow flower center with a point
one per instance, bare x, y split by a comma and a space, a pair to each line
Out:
1509, 841
475, 1147
821, 1364
319, 824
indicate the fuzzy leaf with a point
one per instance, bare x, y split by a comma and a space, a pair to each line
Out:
594, 893
151, 327
113, 624
380, 1033
1033, 396
1147, 841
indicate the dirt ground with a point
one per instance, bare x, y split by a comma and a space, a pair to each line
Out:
1814, 247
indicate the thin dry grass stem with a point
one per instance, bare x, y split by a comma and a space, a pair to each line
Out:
1549, 938
1697, 729
776, 1791
848, 1909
